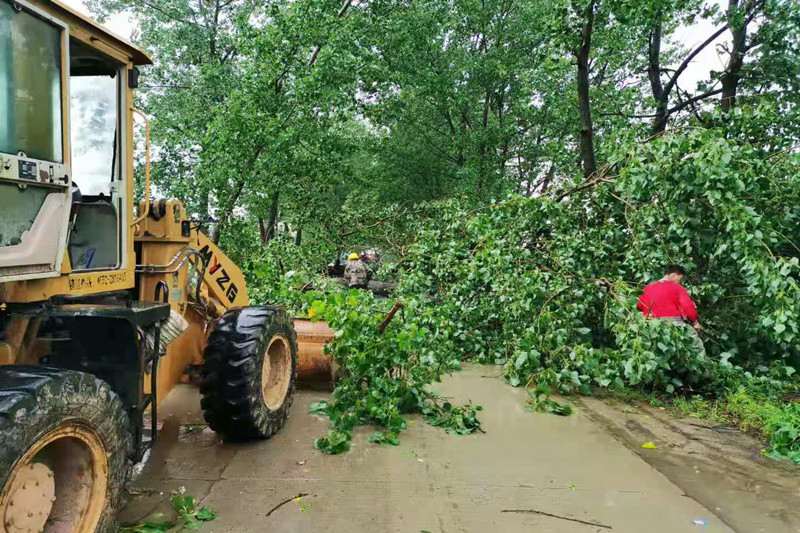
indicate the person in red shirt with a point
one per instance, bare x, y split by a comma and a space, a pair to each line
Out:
667, 299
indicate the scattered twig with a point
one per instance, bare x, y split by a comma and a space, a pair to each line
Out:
578, 520
284, 502
718, 429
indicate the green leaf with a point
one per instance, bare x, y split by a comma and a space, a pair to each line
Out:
205, 514
319, 408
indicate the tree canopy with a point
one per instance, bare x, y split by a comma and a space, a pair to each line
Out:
281, 112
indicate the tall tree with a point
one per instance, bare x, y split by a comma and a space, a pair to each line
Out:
196, 48
582, 57
332, 105
740, 14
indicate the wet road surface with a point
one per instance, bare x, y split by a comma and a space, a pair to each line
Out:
528, 472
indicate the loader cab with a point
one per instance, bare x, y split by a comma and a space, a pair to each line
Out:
65, 143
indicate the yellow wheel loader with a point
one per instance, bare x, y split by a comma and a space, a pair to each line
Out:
103, 304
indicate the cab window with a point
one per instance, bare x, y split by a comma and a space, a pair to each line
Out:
93, 120
94, 242
30, 85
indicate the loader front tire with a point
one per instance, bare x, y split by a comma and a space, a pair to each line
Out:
64, 449
249, 373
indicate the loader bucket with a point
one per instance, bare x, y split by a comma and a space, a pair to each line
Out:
315, 368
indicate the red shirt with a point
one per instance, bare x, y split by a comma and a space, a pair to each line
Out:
667, 299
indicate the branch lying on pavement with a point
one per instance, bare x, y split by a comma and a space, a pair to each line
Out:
284, 502
578, 520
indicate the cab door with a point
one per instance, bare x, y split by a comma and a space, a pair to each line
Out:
35, 182
97, 95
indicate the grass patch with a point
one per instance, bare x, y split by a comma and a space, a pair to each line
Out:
778, 422
703, 408
771, 417
775, 421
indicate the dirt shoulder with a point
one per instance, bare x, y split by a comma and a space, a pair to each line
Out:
720, 467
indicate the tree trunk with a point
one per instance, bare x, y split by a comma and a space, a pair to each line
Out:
203, 204
268, 229
730, 78
660, 96
548, 179
262, 230
586, 137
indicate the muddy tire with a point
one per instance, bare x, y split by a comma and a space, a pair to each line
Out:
55, 426
249, 373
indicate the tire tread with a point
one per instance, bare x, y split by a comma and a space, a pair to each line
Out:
36, 399
231, 375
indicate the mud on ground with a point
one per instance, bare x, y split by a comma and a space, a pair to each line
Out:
719, 466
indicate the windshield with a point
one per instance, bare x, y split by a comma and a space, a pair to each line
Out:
93, 119
30, 85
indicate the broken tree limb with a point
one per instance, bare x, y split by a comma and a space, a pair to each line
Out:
599, 177
395, 308
551, 515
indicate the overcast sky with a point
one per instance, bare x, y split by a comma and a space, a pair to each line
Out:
709, 59
119, 24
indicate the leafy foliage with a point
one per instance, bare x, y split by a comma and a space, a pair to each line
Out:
190, 516
190, 513
461, 420
540, 401
547, 287
310, 106
532, 283
384, 375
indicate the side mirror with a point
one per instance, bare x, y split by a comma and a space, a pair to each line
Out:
133, 78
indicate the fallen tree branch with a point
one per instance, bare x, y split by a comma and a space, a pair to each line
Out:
370, 226
551, 515
395, 308
599, 176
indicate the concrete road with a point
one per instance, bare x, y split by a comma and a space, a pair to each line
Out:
528, 472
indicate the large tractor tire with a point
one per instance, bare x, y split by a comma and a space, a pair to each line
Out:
249, 373
64, 448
